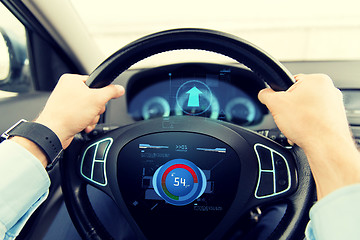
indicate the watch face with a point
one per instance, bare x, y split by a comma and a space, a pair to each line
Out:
178, 182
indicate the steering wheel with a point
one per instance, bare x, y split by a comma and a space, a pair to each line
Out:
187, 177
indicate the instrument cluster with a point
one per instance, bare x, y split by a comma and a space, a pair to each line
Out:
213, 91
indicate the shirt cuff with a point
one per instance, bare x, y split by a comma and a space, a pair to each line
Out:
24, 184
336, 216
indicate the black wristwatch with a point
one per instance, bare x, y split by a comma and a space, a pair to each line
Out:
41, 135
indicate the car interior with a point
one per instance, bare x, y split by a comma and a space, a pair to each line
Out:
189, 152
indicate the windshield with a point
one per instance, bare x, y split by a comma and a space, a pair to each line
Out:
287, 29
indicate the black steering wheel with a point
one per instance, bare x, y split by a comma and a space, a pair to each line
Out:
187, 177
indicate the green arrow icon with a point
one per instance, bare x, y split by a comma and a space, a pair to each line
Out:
194, 97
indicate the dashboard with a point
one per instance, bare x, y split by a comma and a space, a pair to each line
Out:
213, 91
151, 93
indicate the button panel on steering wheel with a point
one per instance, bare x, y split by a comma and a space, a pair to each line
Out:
93, 162
274, 172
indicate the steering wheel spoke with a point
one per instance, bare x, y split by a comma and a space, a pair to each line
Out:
277, 169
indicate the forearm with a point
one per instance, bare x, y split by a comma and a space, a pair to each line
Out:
24, 185
335, 163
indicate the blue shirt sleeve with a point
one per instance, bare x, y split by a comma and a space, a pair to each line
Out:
336, 216
24, 185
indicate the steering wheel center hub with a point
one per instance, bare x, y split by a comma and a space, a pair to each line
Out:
178, 174
179, 182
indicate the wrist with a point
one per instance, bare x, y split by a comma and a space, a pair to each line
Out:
55, 127
32, 148
335, 163
39, 137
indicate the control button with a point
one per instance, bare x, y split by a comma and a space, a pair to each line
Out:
93, 163
281, 184
274, 172
281, 173
87, 162
263, 132
277, 136
102, 147
280, 164
264, 157
98, 173
266, 184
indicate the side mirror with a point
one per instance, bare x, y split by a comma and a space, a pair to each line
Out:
14, 64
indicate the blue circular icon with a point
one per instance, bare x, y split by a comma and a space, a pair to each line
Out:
179, 182
194, 97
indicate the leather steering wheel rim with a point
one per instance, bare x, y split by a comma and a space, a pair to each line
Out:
269, 69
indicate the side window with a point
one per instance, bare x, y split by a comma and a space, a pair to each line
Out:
15, 74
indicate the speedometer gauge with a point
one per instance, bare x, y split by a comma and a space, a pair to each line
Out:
240, 110
156, 107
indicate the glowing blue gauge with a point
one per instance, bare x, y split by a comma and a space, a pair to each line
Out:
179, 182
156, 107
195, 98
240, 110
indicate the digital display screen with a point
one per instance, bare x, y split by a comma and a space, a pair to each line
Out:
190, 178
179, 182
209, 94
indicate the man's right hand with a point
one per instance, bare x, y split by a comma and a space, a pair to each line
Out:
311, 114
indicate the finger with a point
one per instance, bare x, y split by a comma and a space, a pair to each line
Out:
92, 125
71, 77
295, 85
102, 110
83, 78
95, 120
265, 95
110, 92
299, 76
274, 101
88, 129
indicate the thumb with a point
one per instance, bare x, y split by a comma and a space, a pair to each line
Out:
265, 96
274, 101
111, 91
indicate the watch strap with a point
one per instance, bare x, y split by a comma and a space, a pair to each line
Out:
41, 135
